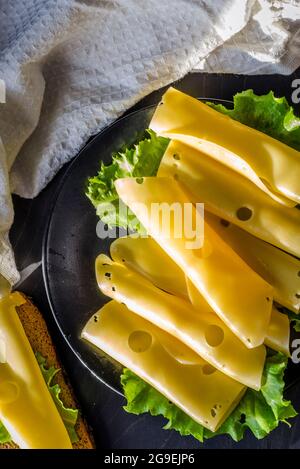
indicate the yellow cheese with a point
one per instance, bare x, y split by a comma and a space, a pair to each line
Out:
222, 155
204, 333
146, 257
202, 392
143, 255
27, 409
233, 290
278, 333
270, 164
4, 287
232, 197
278, 337
278, 268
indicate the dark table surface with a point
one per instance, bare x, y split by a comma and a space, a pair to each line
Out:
112, 426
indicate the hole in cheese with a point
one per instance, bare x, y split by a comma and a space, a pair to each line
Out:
297, 295
139, 341
107, 275
139, 180
213, 412
208, 370
95, 318
9, 391
176, 156
224, 222
298, 273
244, 213
214, 335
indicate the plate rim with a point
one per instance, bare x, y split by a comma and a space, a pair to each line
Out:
46, 237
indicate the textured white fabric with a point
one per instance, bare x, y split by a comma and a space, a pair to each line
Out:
71, 67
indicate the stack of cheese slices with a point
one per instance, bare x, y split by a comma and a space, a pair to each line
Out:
194, 321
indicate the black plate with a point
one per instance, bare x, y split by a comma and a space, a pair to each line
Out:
71, 245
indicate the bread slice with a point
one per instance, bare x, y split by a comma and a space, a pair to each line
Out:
37, 333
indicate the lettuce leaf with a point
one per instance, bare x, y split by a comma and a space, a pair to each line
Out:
259, 411
266, 113
69, 416
262, 411
4, 435
293, 317
142, 159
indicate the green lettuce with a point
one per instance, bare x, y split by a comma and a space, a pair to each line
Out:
293, 317
271, 115
69, 416
142, 159
4, 435
259, 411
266, 113
296, 324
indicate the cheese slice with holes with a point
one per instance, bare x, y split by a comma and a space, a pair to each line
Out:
233, 290
27, 409
205, 394
268, 163
278, 268
278, 333
224, 156
204, 333
229, 196
278, 337
145, 256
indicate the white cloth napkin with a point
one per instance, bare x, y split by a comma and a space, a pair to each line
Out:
71, 67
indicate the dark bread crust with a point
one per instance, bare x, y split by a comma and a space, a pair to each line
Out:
37, 333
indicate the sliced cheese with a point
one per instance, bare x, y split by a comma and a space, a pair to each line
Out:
229, 196
202, 392
278, 337
278, 268
4, 287
27, 409
146, 257
278, 333
224, 156
233, 290
268, 163
204, 333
